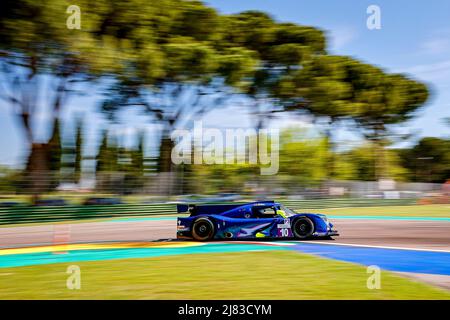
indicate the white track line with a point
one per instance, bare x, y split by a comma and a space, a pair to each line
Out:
371, 246
261, 243
286, 244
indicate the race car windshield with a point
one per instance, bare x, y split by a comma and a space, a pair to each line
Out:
288, 211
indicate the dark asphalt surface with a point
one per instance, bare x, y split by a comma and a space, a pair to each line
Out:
427, 235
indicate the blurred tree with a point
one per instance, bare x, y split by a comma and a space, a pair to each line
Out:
360, 164
255, 52
102, 158
137, 160
341, 88
428, 160
43, 172
11, 180
385, 100
302, 163
320, 89
78, 151
107, 163
344, 167
55, 148
179, 59
71, 153
212, 179
303, 159
43, 62
282, 49
137, 163
179, 70
446, 121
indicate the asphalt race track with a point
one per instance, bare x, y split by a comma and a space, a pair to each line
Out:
417, 247
422, 234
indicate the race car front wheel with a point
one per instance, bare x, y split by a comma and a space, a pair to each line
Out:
303, 228
203, 229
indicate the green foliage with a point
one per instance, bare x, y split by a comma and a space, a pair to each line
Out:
342, 88
10, 180
211, 179
107, 157
157, 54
237, 65
250, 29
279, 47
344, 167
78, 152
188, 60
360, 164
428, 160
55, 148
197, 21
302, 162
303, 159
137, 156
120, 169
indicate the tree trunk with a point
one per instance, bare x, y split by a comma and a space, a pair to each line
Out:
37, 170
165, 165
165, 155
43, 163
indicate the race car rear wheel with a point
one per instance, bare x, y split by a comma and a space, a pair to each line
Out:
303, 228
203, 229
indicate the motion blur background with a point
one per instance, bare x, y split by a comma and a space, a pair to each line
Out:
363, 114
91, 91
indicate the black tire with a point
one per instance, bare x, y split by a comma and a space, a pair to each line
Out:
303, 228
203, 229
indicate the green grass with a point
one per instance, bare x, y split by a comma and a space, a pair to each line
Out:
433, 210
251, 275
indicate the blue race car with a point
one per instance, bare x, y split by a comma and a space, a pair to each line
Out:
256, 220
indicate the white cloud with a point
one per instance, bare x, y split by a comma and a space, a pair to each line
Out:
436, 46
341, 36
438, 43
435, 72
429, 68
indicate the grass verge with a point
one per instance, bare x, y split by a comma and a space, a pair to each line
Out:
251, 275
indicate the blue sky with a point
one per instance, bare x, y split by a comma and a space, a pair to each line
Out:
414, 38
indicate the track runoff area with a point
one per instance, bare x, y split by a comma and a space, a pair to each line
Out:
418, 247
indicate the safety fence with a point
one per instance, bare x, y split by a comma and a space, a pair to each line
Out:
33, 214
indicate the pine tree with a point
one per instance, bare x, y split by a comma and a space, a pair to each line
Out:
54, 154
78, 152
102, 155
138, 157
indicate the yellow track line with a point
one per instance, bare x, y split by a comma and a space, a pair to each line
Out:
99, 246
